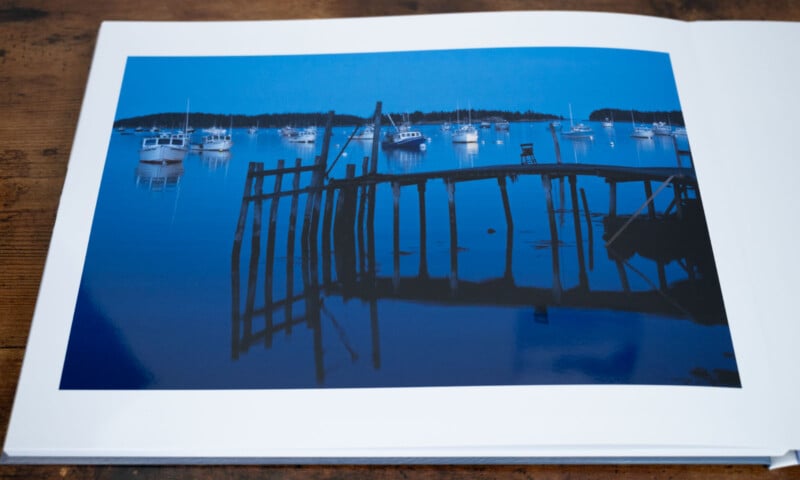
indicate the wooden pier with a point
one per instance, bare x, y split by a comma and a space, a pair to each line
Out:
338, 229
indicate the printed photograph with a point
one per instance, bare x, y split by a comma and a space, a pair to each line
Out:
447, 218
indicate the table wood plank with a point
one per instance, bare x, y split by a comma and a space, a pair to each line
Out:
45, 55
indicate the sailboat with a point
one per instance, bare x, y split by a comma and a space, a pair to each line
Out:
216, 139
579, 131
608, 122
465, 133
640, 131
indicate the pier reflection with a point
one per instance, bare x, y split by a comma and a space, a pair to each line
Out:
338, 251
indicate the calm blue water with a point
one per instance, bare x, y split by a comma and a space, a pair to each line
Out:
155, 308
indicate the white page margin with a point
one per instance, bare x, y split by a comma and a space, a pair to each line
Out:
220, 423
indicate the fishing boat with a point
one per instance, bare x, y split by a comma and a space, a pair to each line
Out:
445, 127
253, 129
305, 135
367, 134
608, 122
502, 125
403, 137
287, 131
485, 124
577, 131
640, 131
662, 128
215, 140
164, 148
466, 132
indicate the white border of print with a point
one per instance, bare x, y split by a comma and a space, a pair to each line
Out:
563, 421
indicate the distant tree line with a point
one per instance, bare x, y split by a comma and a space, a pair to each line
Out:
205, 120
674, 117
276, 120
477, 115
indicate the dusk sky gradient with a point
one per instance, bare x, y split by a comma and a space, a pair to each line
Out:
542, 79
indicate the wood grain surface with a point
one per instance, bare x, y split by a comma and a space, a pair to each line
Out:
45, 55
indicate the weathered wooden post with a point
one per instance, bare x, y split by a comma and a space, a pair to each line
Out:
326, 236
268, 278
623, 275
423, 236
317, 182
373, 168
583, 278
362, 204
396, 236
235, 260
651, 207
508, 275
451, 204
290, 241
589, 228
551, 216
255, 251
343, 235
555, 143
677, 191
612, 198
662, 275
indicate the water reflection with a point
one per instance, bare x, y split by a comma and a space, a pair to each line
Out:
357, 295
215, 160
412, 281
158, 176
399, 160
466, 153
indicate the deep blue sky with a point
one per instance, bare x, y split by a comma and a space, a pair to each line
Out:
539, 79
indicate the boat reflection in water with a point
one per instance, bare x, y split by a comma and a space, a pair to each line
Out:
158, 176
401, 160
215, 160
466, 153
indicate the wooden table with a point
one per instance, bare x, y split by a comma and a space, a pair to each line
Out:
45, 54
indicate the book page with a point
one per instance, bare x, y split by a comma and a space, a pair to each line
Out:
176, 321
748, 109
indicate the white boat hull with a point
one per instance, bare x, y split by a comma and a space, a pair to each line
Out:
162, 154
465, 134
217, 146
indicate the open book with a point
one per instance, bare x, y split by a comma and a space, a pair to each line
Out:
455, 238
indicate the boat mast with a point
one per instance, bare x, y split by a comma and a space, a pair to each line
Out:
392, 121
571, 123
186, 122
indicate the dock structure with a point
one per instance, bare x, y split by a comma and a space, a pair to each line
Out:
338, 226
